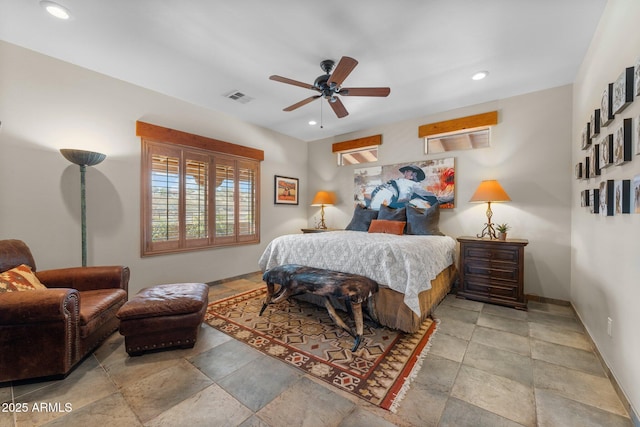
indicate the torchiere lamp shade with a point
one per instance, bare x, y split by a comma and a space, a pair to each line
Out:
489, 191
82, 157
322, 199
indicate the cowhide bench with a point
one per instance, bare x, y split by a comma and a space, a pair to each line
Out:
298, 279
163, 316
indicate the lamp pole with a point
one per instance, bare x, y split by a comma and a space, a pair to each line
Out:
83, 159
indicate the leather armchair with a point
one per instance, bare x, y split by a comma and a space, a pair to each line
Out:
45, 333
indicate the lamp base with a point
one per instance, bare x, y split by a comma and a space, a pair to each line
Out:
488, 231
322, 225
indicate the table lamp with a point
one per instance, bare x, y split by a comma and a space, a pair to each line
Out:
83, 159
322, 199
489, 191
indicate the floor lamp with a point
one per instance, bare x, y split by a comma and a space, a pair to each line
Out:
489, 191
83, 159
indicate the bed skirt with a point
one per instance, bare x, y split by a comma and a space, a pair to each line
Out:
388, 308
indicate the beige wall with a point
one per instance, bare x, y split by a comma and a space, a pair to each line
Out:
530, 156
605, 270
46, 104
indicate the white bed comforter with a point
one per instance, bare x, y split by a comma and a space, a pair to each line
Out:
406, 264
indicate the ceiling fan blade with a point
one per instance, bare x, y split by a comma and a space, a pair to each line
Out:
291, 82
343, 69
301, 103
365, 91
338, 108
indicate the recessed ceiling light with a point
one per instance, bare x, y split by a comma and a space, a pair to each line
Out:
55, 9
480, 75
312, 123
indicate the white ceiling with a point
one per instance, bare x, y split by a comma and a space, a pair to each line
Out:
425, 51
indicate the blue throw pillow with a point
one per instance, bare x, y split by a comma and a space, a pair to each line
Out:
362, 218
424, 221
391, 214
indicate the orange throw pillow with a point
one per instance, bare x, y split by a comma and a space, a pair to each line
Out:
387, 226
20, 278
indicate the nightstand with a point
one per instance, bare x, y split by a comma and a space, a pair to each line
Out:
493, 271
318, 230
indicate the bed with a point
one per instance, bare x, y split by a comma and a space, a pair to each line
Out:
414, 271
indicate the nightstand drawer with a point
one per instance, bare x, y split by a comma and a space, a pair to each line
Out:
491, 289
492, 270
506, 254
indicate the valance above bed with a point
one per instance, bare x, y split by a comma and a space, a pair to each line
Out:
404, 263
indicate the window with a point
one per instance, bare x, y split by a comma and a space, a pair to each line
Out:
356, 151
464, 133
193, 197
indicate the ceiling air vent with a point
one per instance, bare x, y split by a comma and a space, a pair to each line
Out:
236, 95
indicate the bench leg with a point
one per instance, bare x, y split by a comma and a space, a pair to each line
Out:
335, 317
357, 318
267, 299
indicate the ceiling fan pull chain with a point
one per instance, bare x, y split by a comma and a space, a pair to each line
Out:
321, 121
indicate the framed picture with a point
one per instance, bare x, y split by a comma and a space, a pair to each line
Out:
584, 198
635, 193
586, 136
606, 198
285, 190
579, 170
621, 202
606, 108
606, 151
637, 135
594, 160
421, 183
595, 123
586, 171
622, 143
594, 200
623, 90
637, 77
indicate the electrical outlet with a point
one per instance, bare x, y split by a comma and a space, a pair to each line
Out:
609, 324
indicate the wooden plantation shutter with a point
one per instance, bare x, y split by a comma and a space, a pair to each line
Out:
193, 198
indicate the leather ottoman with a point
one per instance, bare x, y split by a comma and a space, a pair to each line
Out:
163, 316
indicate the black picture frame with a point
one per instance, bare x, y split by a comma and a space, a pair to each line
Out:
285, 190
606, 151
606, 106
623, 91
622, 142
595, 123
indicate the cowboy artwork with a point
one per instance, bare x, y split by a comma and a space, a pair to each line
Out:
421, 184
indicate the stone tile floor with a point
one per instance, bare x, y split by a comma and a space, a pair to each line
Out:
487, 366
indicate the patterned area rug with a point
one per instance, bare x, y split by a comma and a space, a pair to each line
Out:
303, 335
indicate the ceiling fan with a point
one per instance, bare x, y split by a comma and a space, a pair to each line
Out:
329, 85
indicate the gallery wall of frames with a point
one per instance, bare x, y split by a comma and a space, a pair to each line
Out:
607, 143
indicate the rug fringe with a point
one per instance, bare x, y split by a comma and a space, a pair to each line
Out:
414, 371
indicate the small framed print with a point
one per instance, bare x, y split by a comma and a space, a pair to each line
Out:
594, 160
594, 200
586, 171
606, 151
584, 198
579, 171
622, 143
637, 135
586, 136
285, 190
606, 108
595, 123
623, 91
637, 77
635, 194
606, 198
621, 196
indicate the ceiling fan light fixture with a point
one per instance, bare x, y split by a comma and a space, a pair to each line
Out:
480, 75
56, 9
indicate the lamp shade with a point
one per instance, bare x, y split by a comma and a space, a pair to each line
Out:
82, 157
324, 198
490, 191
